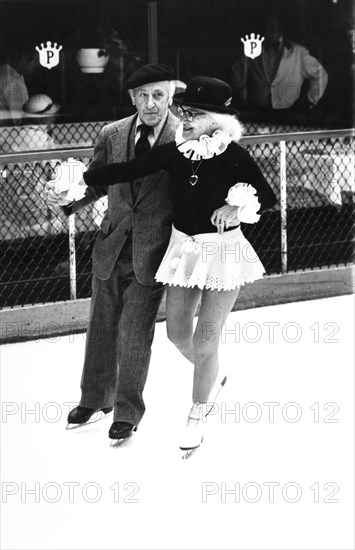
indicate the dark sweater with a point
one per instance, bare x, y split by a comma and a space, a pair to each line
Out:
193, 205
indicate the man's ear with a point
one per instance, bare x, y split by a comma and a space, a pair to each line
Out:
171, 93
133, 99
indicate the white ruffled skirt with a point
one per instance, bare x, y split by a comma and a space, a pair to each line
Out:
215, 261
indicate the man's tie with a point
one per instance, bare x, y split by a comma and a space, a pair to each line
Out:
143, 145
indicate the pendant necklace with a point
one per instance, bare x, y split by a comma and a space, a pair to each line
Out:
194, 178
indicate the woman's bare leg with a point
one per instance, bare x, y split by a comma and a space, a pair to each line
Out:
199, 347
181, 307
215, 307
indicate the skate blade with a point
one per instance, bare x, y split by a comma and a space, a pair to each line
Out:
76, 426
118, 442
188, 453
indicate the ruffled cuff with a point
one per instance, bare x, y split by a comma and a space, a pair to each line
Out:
244, 196
248, 214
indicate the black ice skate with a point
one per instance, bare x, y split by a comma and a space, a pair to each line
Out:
120, 431
80, 416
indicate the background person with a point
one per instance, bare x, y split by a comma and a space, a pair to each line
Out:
273, 81
22, 61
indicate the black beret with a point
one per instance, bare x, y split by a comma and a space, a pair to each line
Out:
149, 73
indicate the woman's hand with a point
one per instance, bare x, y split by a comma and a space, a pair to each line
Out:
55, 200
67, 184
225, 216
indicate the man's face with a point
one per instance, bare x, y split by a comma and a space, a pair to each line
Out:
152, 102
273, 31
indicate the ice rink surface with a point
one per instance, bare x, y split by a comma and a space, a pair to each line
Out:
275, 470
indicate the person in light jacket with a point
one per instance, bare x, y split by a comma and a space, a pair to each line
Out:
274, 79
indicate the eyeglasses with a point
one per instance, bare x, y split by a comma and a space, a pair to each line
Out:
188, 115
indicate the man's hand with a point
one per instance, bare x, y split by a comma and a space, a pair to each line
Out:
55, 200
225, 216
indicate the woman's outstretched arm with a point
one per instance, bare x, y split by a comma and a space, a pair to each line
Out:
119, 172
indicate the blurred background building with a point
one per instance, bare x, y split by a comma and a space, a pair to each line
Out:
48, 115
193, 36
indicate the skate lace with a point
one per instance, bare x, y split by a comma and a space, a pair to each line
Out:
195, 414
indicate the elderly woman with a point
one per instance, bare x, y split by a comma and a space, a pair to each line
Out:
214, 185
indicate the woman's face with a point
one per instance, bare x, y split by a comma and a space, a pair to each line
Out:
196, 122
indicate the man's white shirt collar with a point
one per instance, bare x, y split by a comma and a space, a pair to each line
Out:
156, 129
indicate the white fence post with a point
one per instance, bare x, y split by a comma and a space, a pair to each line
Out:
72, 256
283, 206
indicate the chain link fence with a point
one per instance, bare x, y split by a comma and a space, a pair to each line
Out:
311, 224
51, 135
311, 173
48, 136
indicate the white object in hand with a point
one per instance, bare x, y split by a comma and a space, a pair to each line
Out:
69, 178
248, 213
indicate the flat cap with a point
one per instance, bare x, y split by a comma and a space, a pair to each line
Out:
149, 73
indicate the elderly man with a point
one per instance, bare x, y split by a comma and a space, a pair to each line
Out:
128, 250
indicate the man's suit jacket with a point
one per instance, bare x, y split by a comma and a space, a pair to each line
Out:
149, 217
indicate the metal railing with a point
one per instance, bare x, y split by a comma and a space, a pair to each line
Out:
312, 174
